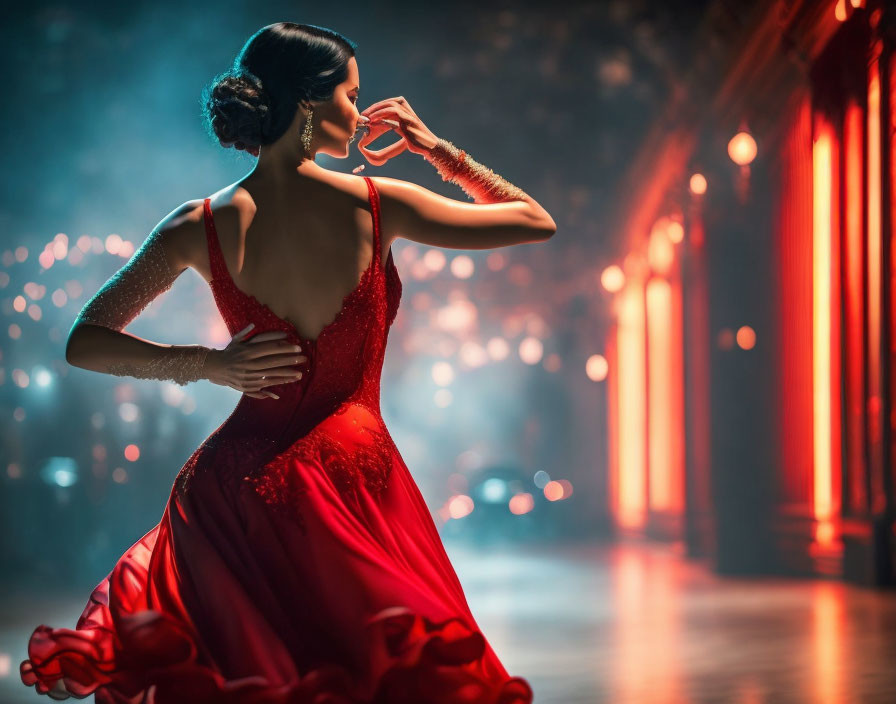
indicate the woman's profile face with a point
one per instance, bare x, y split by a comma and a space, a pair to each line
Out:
338, 117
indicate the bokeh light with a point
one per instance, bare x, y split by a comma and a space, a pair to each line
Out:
742, 148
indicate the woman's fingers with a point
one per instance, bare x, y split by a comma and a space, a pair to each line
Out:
399, 101
278, 372
273, 347
275, 361
262, 385
381, 156
376, 130
268, 335
416, 137
393, 124
378, 104
270, 350
393, 112
257, 379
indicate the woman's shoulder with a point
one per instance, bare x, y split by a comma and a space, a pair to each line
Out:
177, 232
351, 185
185, 229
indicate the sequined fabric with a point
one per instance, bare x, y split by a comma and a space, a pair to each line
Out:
477, 180
352, 445
180, 364
145, 276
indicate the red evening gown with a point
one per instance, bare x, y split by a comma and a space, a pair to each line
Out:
295, 560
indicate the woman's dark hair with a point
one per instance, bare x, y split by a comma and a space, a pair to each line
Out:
280, 65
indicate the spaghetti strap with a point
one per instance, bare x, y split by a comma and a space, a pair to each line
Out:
374, 198
215, 255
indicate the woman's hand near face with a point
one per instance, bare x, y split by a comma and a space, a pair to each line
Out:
395, 114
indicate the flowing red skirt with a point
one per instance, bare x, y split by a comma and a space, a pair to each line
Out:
330, 597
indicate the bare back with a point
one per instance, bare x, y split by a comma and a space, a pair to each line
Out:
299, 251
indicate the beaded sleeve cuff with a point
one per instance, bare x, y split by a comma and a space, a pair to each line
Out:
478, 181
178, 364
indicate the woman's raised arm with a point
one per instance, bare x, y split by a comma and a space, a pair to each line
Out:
416, 213
502, 214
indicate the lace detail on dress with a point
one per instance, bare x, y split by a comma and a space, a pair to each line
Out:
351, 465
353, 447
281, 490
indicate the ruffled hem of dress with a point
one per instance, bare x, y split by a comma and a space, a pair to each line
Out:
151, 659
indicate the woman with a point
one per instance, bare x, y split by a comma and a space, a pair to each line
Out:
295, 560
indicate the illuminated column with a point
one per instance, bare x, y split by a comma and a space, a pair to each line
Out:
631, 411
825, 333
854, 311
662, 495
665, 402
874, 174
888, 230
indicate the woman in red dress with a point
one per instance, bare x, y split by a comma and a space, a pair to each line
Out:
295, 560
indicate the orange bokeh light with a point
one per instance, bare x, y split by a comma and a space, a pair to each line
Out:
742, 148
553, 491
746, 337
521, 503
612, 278
596, 367
675, 232
460, 506
660, 250
840, 10
698, 184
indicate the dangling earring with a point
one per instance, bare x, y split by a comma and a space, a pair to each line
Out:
306, 133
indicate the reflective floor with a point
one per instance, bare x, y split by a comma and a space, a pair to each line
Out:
629, 624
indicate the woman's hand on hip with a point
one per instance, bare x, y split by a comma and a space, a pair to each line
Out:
265, 360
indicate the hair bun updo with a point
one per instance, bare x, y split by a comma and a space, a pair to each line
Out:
280, 66
238, 111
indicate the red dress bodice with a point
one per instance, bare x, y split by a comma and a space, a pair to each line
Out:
341, 383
